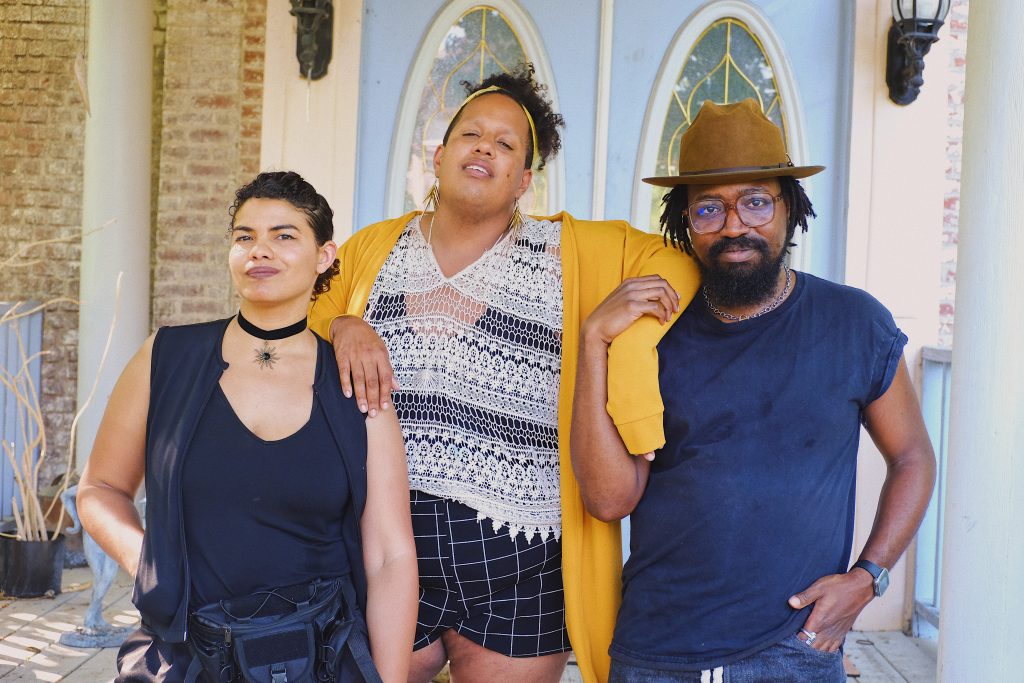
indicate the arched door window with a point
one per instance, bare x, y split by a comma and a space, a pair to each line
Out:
480, 41
725, 53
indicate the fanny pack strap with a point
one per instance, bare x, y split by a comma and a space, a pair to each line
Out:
194, 669
357, 641
359, 647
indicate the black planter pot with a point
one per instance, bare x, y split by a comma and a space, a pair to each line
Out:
31, 568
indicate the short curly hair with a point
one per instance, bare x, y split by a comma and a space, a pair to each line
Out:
520, 85
294, 189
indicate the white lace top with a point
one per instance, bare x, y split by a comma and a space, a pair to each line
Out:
477, 357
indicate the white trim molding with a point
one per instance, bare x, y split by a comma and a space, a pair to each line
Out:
665, 81
310, 127
419, 71
604, 89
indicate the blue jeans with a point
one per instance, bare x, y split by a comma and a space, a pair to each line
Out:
789, 661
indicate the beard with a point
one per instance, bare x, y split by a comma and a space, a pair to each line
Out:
741, 284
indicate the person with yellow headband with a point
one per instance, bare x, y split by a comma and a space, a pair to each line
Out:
466, 316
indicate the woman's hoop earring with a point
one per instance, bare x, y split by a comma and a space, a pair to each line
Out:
432, 199
515, 223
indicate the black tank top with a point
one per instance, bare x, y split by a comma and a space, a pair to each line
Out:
261, 514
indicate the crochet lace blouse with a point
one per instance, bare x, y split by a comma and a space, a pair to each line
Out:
477, 357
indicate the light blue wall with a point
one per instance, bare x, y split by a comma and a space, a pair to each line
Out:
392, 31
570, 30
817, 37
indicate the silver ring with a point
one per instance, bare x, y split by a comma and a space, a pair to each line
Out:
811, 636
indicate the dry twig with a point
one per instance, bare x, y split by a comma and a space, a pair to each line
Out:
85, 404
30, 519
14, 260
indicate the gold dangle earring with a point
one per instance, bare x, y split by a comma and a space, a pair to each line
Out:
515, 224
432, 199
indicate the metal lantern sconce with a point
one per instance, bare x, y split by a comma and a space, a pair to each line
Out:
915, 26
313, 36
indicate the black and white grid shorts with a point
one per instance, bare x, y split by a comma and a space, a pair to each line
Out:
504, 594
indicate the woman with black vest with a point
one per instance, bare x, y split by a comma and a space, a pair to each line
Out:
277, 514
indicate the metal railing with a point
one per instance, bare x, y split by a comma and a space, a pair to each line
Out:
937, 365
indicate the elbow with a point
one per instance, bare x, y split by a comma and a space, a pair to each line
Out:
914, 472
929, 465
84, 506
608, 510
921, 460
396, 559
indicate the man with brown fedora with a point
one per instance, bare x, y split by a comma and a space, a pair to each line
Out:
742, 523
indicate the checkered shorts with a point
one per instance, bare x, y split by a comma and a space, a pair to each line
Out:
503, 594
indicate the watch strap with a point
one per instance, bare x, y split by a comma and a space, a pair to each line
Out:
879, 576
870, 567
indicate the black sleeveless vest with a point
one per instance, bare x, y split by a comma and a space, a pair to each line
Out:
186, 366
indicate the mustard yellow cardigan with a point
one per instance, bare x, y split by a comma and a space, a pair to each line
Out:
596, 257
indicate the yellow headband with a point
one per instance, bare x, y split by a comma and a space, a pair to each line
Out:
494, 88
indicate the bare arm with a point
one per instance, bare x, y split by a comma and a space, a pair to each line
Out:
363, 363
611, 480
106, 493
895, 425
389, 553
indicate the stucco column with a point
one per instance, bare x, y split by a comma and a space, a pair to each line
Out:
116, 189
983, 559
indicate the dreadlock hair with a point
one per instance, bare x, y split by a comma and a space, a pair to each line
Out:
294, 189
675, 223
519, 84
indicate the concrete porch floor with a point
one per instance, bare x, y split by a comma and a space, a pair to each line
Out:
30, 651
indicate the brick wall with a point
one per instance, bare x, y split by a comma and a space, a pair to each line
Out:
41, 125
208, 89
957, 25
210, 132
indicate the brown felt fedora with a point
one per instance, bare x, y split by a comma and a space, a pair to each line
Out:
730, 143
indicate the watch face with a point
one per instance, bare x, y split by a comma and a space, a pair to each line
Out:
882, 582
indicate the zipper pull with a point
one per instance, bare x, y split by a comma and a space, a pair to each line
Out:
227, 636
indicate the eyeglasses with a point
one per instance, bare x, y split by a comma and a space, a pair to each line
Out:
753, 210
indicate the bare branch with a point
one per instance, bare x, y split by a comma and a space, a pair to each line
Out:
14, 260
12, 313
85, 405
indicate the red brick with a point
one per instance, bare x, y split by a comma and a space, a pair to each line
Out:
215, 101
207, 135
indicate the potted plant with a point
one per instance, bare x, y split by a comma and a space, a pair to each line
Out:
32, 553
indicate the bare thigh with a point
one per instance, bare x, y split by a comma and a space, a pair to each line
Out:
471, 663
427, 662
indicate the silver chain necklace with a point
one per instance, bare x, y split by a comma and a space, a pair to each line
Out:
738, 318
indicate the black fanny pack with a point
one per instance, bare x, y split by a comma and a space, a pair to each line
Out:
308, 633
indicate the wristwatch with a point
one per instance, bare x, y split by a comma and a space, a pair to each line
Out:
879, 574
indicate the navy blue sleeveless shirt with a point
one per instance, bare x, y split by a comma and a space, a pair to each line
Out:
752, 498
261, 514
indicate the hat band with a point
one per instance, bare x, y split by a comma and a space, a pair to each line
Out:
738, 169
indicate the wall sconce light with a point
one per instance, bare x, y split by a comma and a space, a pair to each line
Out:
915, 26
313, 36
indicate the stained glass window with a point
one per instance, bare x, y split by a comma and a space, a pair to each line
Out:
480, 43
727, 64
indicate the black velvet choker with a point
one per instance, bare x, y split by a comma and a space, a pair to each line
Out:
270, 335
